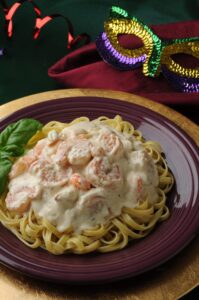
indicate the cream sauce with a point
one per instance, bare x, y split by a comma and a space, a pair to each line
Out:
83, 177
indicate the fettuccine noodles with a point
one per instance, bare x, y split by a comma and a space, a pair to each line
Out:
133, 223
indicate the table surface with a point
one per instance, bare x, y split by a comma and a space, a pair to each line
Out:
169, 281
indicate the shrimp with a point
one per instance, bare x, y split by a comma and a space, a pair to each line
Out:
74, 152
20, 200
67, 196
109, 145
49, 173
22, 165
136, 185
93, 203
61, 156
80, 182
93, 199
142, 161
84, 136
92, 206
39, 147
53, 137
139, 185
46, 148
101, 173
80, 153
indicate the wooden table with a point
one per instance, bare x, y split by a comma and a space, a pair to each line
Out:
170, 281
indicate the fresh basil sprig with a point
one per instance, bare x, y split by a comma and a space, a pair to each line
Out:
12, 141
5, 167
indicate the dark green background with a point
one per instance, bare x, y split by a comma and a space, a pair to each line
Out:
23, 70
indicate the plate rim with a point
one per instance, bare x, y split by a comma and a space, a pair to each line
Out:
194, 136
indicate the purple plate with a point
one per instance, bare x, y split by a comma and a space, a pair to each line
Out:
167, 239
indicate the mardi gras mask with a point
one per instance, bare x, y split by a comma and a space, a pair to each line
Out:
154, 56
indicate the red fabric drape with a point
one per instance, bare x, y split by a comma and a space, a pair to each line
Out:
84, 68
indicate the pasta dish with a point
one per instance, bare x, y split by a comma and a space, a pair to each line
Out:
86, 186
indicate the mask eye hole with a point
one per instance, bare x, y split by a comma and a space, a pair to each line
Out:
187, 61
130, 41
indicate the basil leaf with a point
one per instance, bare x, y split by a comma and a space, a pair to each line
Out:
12, 141
5, 167
19, 133
12, 150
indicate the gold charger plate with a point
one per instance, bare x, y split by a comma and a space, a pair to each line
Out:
170, 281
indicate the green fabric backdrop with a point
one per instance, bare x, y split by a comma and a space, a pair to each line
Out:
23, 70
